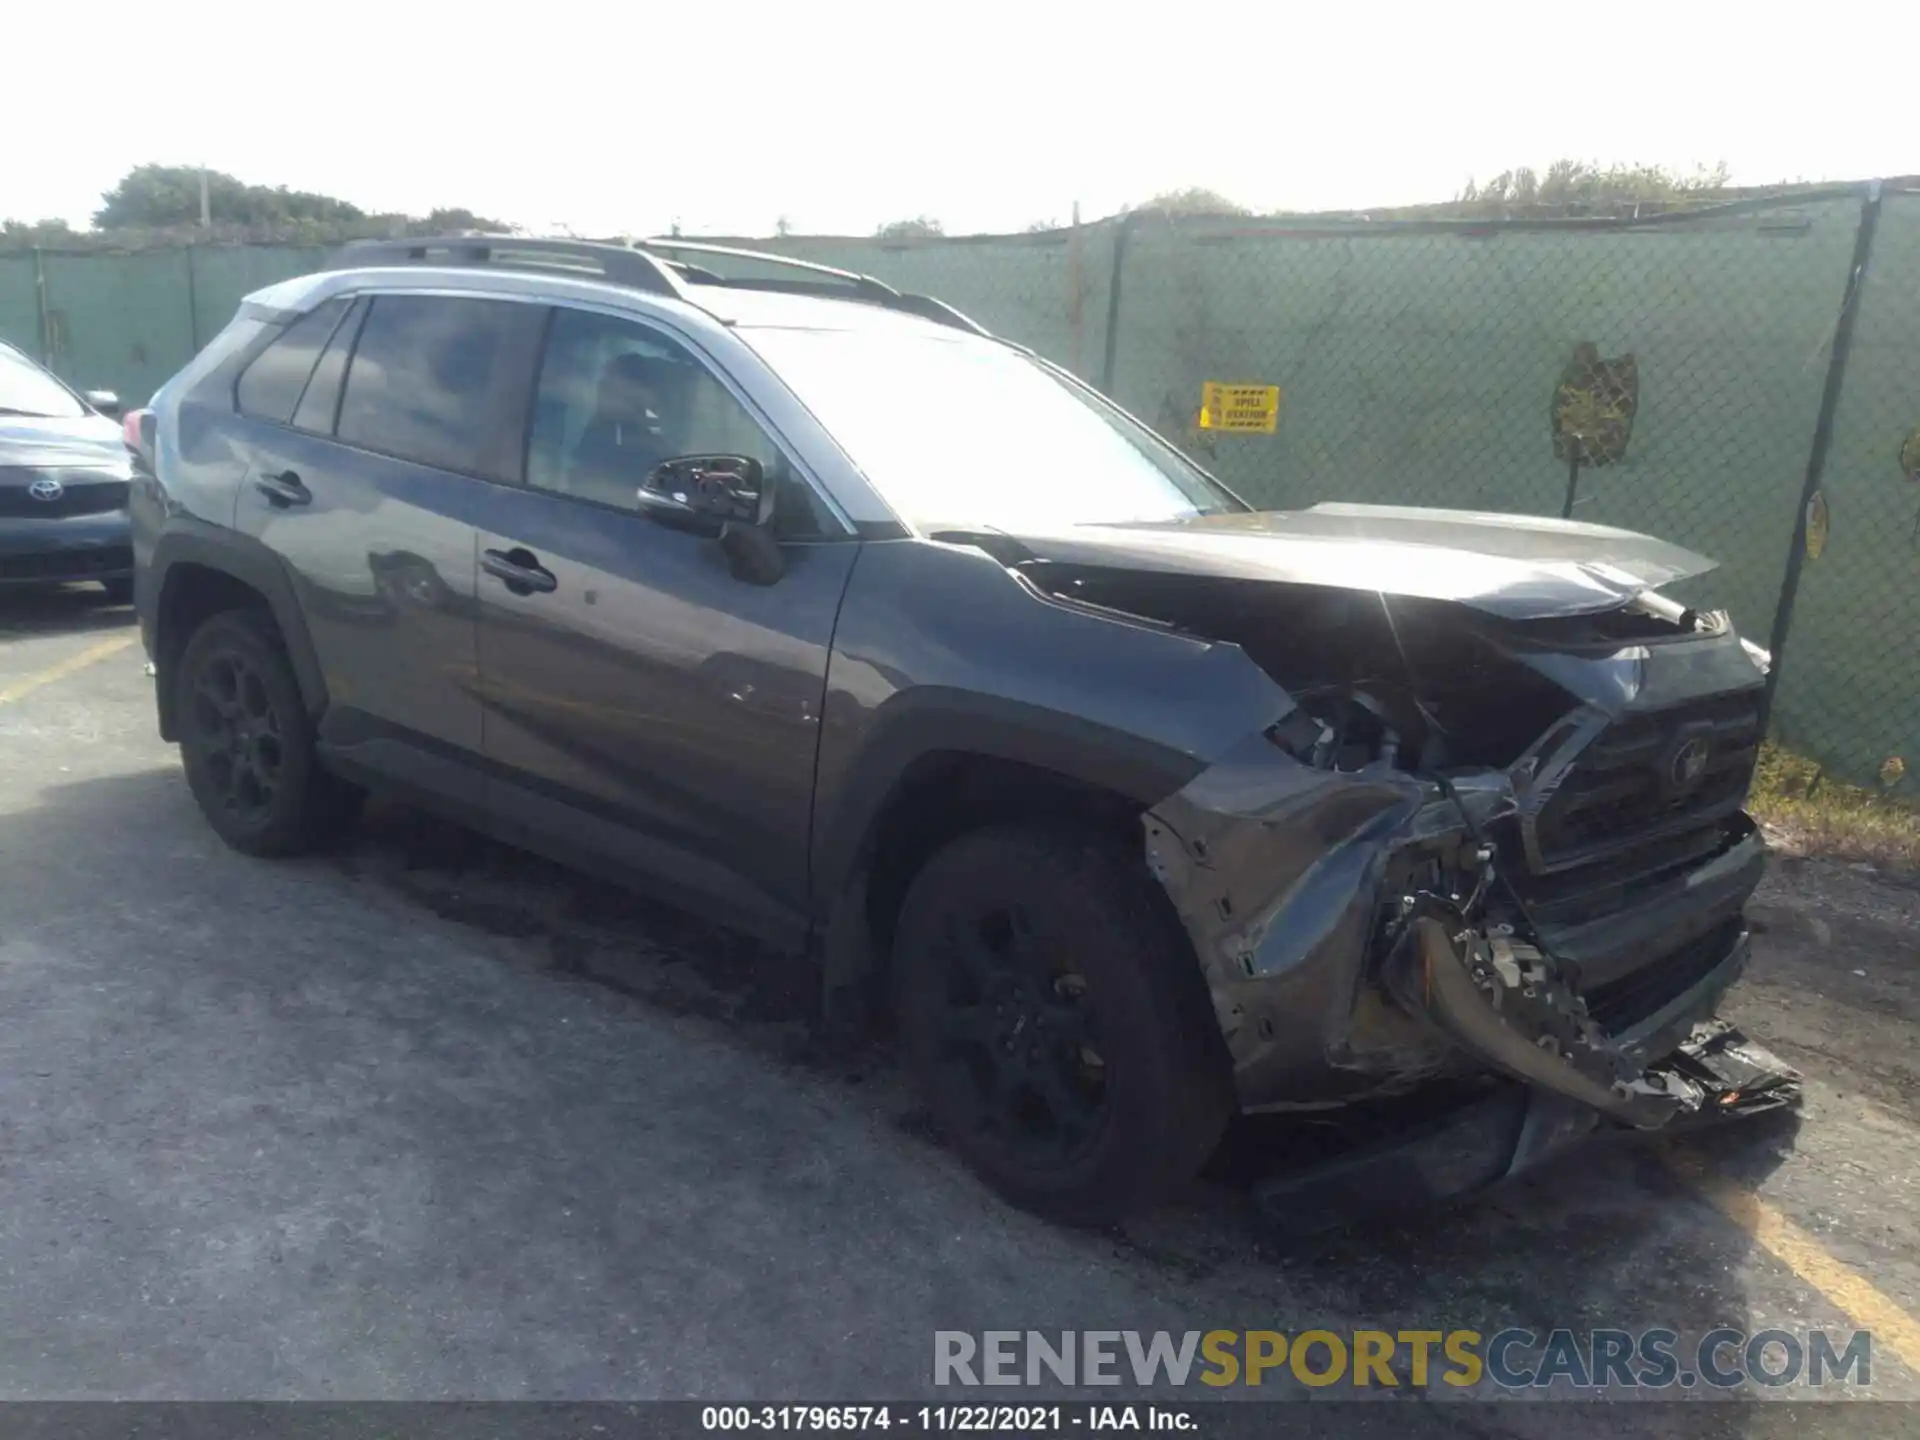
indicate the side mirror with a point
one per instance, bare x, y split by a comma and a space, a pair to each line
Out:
105, 401
707, 493
727, 497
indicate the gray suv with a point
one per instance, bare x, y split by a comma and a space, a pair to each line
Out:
811, 606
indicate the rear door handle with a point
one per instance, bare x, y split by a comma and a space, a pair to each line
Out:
519, 569
283, 489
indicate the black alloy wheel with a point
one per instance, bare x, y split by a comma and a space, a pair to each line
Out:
1018, 1033
232, 723
247, 742
1051, 1010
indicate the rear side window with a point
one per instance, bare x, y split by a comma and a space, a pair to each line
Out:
443, 382
270, 387
320, 406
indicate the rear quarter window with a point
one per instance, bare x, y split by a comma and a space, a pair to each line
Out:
444, 381
271, 385
320, 405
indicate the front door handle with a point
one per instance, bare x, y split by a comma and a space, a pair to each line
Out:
283, 489
519, 569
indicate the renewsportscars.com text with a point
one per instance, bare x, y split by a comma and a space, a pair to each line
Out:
1514, 1359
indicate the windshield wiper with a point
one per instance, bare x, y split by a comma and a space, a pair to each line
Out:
30, 414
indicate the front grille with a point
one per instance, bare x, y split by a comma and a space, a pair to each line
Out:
80, 494
1614, 885
1650, 778
56, 565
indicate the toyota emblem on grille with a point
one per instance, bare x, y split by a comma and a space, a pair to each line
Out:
46, 488
1688, 764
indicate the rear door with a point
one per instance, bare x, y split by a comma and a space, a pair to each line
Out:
647, 708
380, 426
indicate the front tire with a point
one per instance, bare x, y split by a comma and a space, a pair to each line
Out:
1056, 1024
247, 743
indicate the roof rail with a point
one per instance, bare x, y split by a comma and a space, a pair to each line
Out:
619, 264
864, 285
650, 265
832, 284
941, 313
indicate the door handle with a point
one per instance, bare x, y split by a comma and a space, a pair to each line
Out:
283, 489
519, 569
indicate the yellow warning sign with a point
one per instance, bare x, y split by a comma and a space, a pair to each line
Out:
1240, 409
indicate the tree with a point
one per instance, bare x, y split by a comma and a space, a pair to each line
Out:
446, 221
1582, 186
156, 197
20, 235
921, 227
153, 196
1194, 200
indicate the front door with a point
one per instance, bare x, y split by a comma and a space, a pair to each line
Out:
647, 709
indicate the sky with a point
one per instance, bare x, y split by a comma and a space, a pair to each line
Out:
730, 115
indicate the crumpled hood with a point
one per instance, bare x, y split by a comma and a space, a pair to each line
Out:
1519, 567
45, 443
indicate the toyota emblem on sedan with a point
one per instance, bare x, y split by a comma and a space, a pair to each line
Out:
47, 488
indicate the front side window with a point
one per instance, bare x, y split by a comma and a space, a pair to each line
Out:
26, 389
270, 387
616, 398
960, 430
442, 381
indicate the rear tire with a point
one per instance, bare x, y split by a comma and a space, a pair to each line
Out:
119, 591
247, 742
1056, 1023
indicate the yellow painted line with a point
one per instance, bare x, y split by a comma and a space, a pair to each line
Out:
91, 655
1807, 1258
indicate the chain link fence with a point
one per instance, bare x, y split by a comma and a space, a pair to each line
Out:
1717, 378
1849, 695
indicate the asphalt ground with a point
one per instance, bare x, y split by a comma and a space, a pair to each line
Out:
427, 1118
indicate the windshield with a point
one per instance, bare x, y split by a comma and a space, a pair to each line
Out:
25, 389
960, 430
29, 390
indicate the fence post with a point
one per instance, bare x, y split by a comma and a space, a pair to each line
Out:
193, 304
1076, 298
1822, 441
1120, 234
41, 324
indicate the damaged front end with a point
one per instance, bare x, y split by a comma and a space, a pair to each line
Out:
1484, 848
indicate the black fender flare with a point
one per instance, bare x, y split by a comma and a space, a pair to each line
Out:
930, 720
251, 563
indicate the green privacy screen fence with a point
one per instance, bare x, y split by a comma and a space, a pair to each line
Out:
1719, 378
125, 322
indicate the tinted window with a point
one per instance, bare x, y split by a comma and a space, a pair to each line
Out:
321, 404
271, 385
443, 382
616, 398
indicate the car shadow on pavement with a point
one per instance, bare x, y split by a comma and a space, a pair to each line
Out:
592, 931
69, 609
1607, 1236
